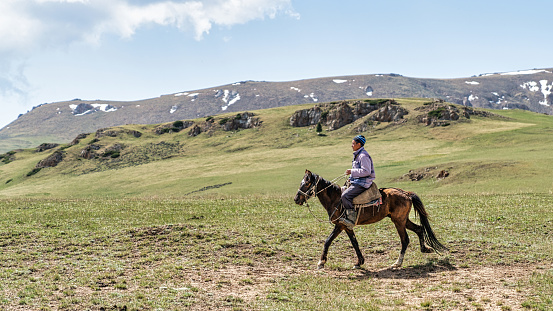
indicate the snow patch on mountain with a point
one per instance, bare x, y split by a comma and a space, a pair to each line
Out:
339, 81
500, 99
546, 91
542, 86
312, 96
472, 97
531, 85
524, 72
82, 109
368, 90
173, 109
230, 98
472, 82
295, 89
193, 96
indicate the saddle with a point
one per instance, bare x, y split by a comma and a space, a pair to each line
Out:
371, 196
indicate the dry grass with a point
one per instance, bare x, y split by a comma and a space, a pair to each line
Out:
253, 254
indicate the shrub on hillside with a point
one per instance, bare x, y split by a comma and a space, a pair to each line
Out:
112, 154
178, 124
34, 171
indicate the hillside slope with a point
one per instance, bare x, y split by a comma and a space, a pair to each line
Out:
61, 121
508, 151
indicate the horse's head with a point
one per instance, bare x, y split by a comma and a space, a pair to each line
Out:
307, 188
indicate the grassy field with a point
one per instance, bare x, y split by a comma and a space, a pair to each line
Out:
208, 222
261, 253
508, 154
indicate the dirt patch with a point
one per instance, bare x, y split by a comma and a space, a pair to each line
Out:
418, 287
479, 288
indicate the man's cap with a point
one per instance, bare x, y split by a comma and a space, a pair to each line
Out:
360, 139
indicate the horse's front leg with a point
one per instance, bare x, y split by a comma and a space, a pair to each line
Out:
331, 237
353, 239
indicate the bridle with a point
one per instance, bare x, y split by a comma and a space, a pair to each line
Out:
311, 192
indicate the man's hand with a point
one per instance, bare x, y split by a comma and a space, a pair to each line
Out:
348, 172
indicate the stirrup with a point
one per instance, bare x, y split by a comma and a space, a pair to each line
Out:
347, 220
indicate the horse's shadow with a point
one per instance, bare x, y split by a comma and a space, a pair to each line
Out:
411, 272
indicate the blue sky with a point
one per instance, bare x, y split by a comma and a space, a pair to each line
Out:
56, 50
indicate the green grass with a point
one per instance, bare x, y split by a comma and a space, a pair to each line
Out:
482, 155
208, 222
169, 253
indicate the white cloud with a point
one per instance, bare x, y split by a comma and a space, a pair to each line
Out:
28, 27
32, 23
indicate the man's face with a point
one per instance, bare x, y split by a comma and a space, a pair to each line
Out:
355, 145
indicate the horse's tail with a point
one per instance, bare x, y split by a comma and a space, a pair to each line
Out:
428, 234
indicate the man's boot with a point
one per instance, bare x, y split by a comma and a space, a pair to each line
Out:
349, 218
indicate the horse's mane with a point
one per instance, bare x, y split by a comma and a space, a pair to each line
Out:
328, 185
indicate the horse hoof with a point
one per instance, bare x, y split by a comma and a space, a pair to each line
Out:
321, 264
356, 267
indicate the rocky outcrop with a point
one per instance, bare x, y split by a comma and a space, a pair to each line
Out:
425, 173
174, 127
46, 146
88, 152
244, 120
106, 132
240, 121
389, 113
110, 132
52, 160
335, 115
440, 114
113, 151
195, 131
306, 117
342, 114
78, 139
7, 157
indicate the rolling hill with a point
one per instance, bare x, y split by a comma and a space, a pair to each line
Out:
480, 151
61, 121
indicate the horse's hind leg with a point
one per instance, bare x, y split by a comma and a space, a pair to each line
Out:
404, 243
419, 230
331, 237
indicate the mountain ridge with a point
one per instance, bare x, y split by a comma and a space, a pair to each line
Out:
62, 121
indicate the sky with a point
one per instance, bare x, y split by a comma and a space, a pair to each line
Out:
125, 50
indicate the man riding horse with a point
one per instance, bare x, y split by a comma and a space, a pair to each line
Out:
362, 176
393, 203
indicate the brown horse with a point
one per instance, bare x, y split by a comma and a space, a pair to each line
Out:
396, 204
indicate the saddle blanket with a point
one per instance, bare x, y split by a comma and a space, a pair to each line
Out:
376, 202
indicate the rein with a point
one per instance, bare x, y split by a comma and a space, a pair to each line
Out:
316, 193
